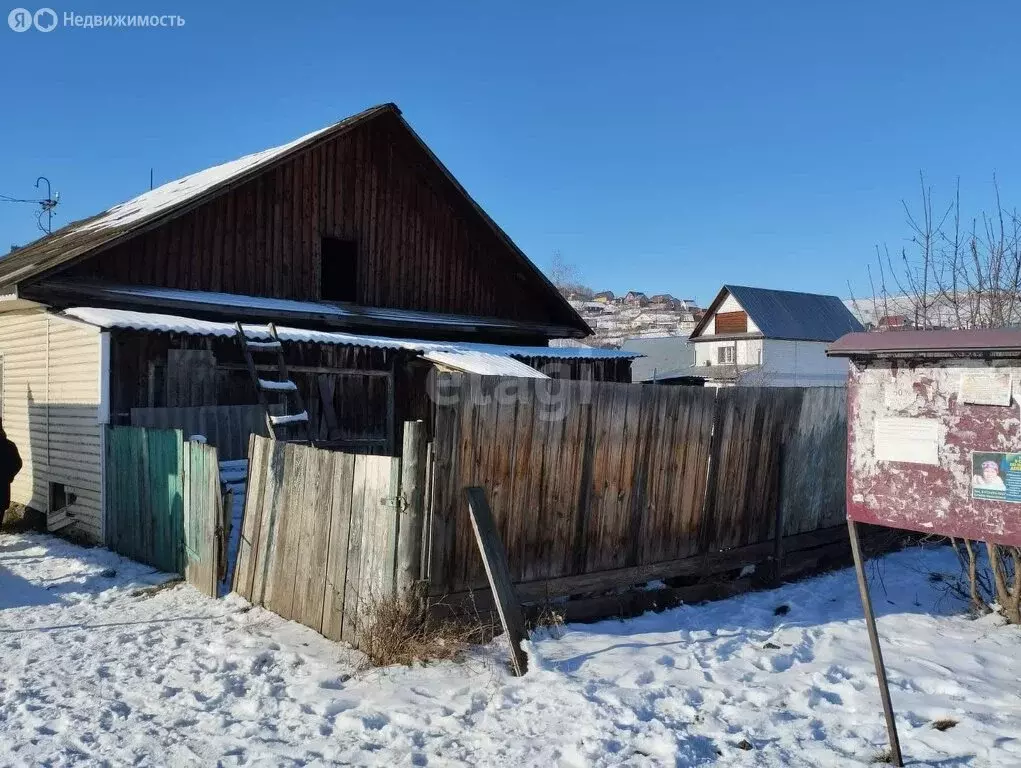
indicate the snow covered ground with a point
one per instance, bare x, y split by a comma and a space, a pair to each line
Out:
94, 670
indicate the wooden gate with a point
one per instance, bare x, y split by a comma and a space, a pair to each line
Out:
203, 524
320, 533
163, 502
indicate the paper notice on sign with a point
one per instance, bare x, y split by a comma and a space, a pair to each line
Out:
904, 439
986, 388
996, 476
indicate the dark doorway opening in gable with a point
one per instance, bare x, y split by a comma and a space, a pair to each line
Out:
338, 270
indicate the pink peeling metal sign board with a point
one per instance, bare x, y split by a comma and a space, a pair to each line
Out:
935, 446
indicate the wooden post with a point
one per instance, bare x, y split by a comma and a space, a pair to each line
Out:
877, 653
411, 507
494, 557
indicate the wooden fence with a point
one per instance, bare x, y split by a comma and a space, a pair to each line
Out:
163, 502
593, 487
325, 534
586, 478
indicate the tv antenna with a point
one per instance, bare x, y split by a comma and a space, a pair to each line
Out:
46, 204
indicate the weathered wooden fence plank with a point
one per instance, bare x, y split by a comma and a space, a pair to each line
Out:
320, 471
200, 510
340, 495
289, 526
244, 567
814, 494
412, 507
353, 600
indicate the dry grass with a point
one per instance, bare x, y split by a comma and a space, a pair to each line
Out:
548, 616
944, 723
399, 630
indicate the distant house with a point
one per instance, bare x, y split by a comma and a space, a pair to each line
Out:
636, 298
895, 323
665, 300
757, 336
604, 297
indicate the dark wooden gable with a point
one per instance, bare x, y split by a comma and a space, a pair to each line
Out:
420, 243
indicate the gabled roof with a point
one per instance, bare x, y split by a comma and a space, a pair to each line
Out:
787, 314
86, 237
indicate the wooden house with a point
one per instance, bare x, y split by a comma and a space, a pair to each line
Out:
372, 261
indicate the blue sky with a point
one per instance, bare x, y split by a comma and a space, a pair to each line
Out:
658, 146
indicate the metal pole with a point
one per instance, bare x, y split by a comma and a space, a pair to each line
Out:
877, 653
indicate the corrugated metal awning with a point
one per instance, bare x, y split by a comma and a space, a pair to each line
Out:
484, 364
159, 323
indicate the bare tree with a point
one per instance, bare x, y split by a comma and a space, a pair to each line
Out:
565, 277
958, 273
954, 273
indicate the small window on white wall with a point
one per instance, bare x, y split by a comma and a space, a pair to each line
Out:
726, 355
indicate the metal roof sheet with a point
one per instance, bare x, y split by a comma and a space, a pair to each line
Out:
663, 354
789, 314
243, 307
902, 343
146, 321
484, 364
793, 315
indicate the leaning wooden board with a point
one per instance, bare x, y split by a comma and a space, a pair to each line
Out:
495, 559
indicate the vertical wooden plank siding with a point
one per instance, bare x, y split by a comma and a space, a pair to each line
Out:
420, 244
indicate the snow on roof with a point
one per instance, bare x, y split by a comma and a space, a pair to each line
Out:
187, 187
242, 301
147, 321
85, 235
484, 364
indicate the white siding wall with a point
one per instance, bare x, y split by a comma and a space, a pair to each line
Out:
798, 364
51, 396
748, 351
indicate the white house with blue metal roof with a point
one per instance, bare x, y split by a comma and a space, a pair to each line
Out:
764, 337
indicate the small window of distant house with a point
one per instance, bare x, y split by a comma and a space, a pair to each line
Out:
726, 355
732, 322
339, 270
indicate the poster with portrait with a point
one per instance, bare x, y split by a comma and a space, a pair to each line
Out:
996, 476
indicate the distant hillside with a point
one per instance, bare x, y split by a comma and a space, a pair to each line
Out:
616, 319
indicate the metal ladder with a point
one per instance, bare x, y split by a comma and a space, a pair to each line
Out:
293, 420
